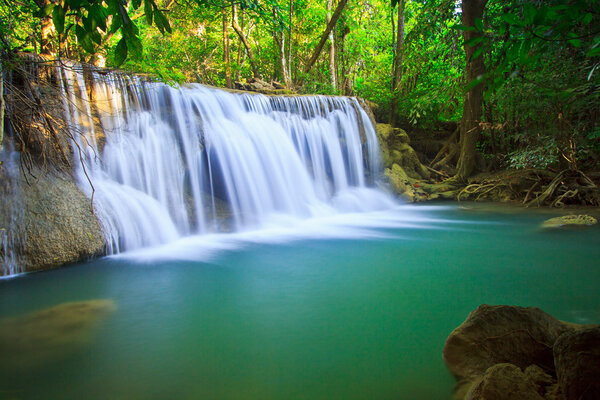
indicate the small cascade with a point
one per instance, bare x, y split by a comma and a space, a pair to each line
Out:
164, 162
11, 212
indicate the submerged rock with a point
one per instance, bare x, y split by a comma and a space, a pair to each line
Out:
570, 220
577, 360
503, 382
35, 339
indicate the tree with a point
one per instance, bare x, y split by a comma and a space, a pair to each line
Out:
334, 18
397, 59
472, 15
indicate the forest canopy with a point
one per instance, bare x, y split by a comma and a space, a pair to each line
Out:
522, 77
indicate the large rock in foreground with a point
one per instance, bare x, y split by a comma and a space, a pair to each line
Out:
577, 360
502, 334
60, 227
510, 352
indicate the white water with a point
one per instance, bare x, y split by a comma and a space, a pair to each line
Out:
174, 162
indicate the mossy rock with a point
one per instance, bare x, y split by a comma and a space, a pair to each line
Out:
570, 221
408, 188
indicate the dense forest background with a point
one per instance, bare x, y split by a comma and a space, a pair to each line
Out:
509, 84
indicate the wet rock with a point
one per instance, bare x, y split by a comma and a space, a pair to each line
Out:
577, 360
405, 186
502, 334
570, 221
543, 382
503, 382
35, 339
59, 225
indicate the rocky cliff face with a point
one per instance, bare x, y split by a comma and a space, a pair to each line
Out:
59, 225
46, 221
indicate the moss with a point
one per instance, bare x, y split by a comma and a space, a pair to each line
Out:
570, 220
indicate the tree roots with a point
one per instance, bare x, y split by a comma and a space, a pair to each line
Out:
535, 188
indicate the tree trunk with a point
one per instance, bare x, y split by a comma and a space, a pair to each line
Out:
244, 40
47, 30
469, 125
280, 43
397, 63
289, 51
226, 52
1, 101
332, 71
334, 18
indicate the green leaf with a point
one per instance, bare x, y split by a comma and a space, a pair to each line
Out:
74, 4
46, 10
479, 24
474, 41
158, 15
512, 19
134, 46
58, 18
524, 50
540, 16
117, 22
120, 52
460, 27
478, 52
136, 4
84, 39
148, 11
96, 37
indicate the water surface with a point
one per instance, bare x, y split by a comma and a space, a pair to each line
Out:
353, 310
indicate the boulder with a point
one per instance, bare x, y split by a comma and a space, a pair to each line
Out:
59, 224
406, 187
570, 221
577, 360
502, 334
503, 382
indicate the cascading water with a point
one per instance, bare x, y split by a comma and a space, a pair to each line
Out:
169, 162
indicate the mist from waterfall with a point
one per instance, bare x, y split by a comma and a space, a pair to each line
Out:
163, 162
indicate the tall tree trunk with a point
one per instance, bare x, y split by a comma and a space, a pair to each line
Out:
47, 30
289, 52
244, 40
397, 63
1, 101
280, 43
332, 71
334, 18
469, 125
226, 52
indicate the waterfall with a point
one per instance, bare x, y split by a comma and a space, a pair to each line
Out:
11, 213
166, 162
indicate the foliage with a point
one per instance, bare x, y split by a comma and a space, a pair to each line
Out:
542, 88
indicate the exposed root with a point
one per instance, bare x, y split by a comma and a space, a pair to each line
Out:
535, 188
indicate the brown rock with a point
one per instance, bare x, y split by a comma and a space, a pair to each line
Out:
503, 382
60, 225
543, 382
577, 360
502, 334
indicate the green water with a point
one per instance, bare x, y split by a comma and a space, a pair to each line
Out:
355, 318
